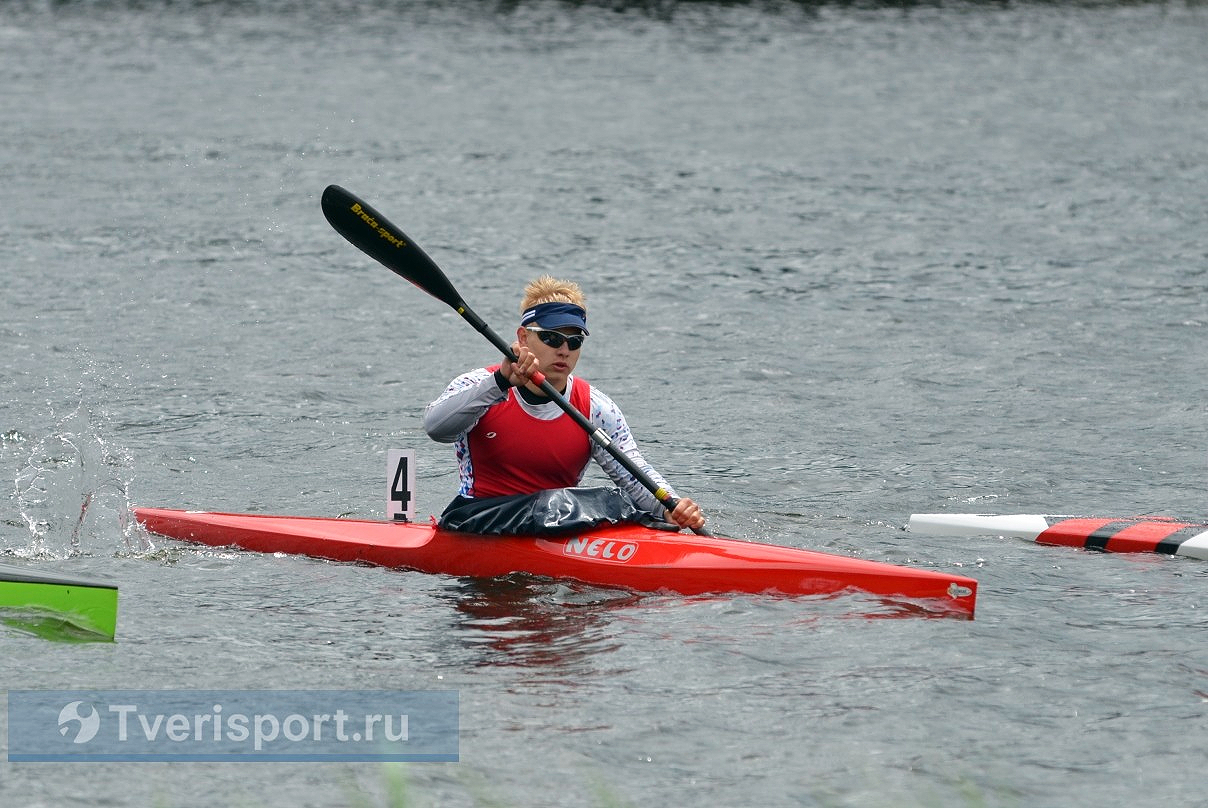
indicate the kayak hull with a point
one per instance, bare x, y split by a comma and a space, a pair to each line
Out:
84, 603
1138, 534
622, 556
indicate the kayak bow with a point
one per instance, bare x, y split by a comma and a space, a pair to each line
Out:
84, 603
1135, 534
624, 556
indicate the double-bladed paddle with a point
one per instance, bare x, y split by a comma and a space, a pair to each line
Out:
373, 234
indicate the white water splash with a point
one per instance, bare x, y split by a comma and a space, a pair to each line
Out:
72, 491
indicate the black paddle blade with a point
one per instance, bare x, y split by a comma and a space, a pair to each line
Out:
373, 234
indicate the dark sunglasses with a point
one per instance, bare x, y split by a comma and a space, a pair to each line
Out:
554, 339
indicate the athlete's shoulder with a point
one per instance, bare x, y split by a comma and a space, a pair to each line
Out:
471, 378
602, 402
477, 374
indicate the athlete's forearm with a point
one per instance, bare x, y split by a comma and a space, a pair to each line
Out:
606, 415
641, 496
461, 405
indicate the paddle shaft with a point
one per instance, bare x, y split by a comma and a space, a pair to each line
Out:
373, 234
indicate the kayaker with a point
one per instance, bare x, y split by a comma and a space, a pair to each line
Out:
520, 456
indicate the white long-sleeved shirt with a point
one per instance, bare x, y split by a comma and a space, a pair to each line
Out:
450, 418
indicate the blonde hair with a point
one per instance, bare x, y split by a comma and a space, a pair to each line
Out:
548, 289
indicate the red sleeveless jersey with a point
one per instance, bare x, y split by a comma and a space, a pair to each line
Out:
514, 453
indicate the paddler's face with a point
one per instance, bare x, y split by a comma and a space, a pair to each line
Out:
557, 363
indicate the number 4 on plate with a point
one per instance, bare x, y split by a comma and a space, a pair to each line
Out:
400, 485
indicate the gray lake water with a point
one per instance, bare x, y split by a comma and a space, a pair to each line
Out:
844, 263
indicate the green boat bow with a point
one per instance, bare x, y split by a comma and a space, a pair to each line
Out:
30, 594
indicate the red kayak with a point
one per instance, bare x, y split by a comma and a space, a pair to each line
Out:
623, 556
1128, 534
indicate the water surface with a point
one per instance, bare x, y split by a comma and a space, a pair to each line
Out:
844, 264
